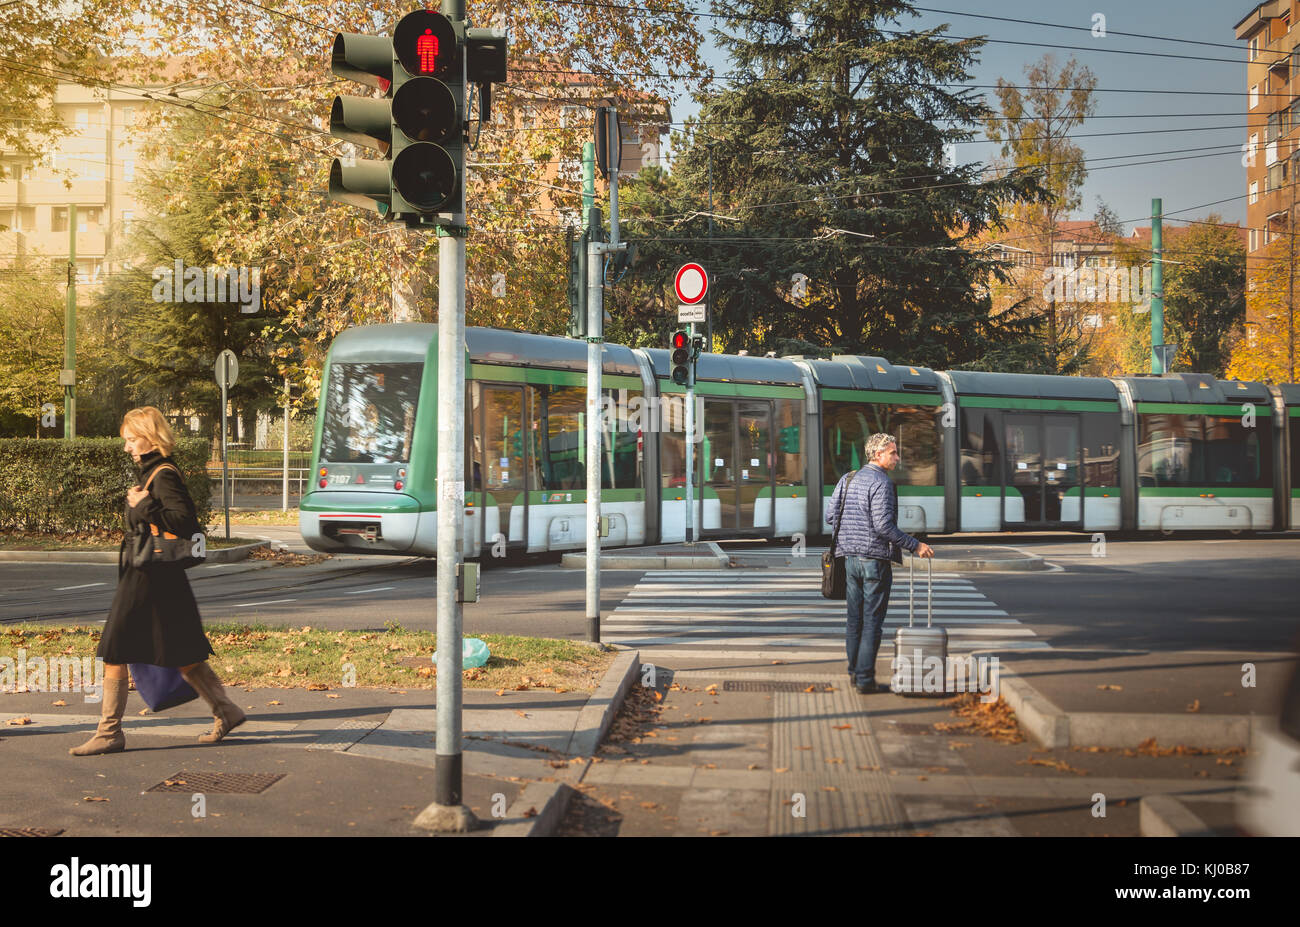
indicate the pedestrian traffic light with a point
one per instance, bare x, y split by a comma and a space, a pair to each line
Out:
428, 108
419, 123
681, 358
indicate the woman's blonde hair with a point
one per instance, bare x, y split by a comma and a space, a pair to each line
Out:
148, 423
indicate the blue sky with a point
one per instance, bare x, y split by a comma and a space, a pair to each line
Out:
1212, 119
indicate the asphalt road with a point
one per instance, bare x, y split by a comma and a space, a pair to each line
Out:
1212, 593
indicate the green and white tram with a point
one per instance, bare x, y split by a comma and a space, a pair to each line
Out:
981, 451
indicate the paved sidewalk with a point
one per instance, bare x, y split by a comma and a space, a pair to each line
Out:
790, 748
348, 761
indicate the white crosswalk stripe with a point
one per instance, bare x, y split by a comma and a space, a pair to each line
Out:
774, 609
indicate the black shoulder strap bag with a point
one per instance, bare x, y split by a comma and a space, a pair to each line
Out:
834, 581
150, 548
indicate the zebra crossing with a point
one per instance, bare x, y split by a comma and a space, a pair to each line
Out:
765, 610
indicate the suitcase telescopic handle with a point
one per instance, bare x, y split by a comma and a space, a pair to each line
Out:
911, 590
929, 591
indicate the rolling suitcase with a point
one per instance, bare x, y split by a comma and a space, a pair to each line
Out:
920, 665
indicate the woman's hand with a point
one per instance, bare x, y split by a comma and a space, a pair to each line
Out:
135, 494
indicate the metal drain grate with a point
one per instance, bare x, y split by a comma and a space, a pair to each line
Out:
30, 831
771, 685
239, 783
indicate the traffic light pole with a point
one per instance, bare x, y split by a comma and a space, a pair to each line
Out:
690, 443
448, 812
596, 252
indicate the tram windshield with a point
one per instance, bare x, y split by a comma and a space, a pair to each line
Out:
370, 413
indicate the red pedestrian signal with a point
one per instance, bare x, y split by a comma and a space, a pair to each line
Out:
426, 46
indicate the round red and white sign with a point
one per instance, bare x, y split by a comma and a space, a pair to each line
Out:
691, 283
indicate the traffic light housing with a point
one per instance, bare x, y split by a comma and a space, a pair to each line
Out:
790, 439
577, 283
428, 110
680, 346
419, 124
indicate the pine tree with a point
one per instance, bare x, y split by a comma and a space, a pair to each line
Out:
832, 156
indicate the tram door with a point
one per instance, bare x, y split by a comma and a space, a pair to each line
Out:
735, 464
1043, 466
500, 474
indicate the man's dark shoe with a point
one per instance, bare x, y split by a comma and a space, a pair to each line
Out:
867, 689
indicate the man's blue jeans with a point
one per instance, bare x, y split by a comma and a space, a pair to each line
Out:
868, 584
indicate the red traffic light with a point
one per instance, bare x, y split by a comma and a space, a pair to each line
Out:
679, 340
425, 43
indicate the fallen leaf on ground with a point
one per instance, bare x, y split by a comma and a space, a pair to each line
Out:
843, 727
19, 721
835, 759
60, 703
317, 687
332, 695
1110, 688
274, 702
803, 748
501, 691
829, 788
530, 813
649, 805
782, 769
1195, 706
94, 798
811, 689
521, 713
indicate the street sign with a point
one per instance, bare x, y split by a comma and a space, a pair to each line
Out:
1166, 354
227, 368
691, 283
691, 313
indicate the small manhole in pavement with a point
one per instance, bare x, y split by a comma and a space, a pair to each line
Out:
240, 783
30, 831
770, 685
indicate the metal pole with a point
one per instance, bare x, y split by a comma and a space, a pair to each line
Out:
70, 331
1157, 290
588, 177
690, 444
708, 297
225, 461
284, 501
595, 341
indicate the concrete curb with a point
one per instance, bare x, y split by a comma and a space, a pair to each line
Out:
538, 810
1166, 816
634, 561
550, 800
1052, 727
222, 555
1028, 563
598, 714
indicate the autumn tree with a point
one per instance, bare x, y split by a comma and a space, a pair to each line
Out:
1032, 124
1266, 350
31, 344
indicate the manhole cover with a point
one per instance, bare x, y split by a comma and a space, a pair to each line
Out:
241, 783
771, 685
30, 831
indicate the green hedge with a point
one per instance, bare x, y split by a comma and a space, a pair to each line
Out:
51, 485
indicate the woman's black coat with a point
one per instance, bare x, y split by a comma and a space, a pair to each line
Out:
154, 618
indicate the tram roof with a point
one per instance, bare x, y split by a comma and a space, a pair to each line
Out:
853, 371
1195, 387
731, 368
523, 349
1031, 386
1290, 393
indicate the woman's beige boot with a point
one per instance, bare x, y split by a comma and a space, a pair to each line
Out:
226, 715
108, 736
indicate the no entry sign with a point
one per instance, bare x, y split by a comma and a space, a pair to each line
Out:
691, 283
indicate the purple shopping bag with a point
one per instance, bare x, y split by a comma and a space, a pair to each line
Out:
161, 687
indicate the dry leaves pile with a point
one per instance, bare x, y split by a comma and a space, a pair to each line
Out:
991, 719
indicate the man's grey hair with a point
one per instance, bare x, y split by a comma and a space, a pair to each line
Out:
878, 443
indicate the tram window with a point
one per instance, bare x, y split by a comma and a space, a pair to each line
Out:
787, 424
980, 454
370, 413
1100, 449
1295, 453
622, 464
672, 441
1203, 450
565, 460
915, 428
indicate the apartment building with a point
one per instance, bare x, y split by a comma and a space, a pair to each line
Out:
93, 165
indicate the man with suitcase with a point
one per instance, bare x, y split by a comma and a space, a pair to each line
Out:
870, 542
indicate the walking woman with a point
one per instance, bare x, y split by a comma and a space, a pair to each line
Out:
154, 618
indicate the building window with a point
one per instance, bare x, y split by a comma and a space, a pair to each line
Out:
91, 169
128, 115
1275, 177
1253, 240
1273, 129
1254, 47
128, 216
128, 174
1254, 191
1270, 152
59, 219
1254, 96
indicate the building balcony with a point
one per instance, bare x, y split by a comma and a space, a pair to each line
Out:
90, 243
55, 193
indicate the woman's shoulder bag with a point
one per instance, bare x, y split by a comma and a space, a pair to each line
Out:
149, 547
